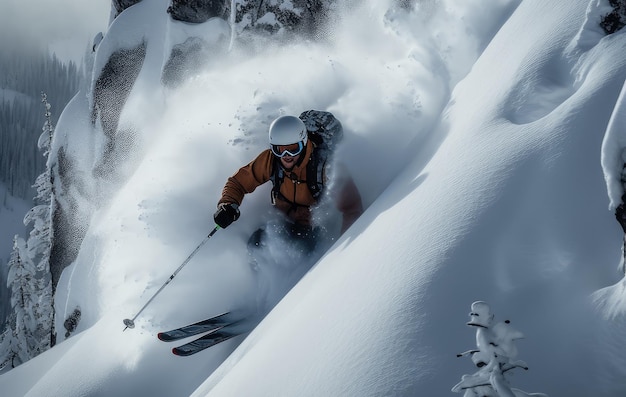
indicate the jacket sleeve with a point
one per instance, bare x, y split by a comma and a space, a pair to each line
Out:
347, 197
247, 179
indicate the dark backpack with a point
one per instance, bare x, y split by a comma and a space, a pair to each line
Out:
325, 132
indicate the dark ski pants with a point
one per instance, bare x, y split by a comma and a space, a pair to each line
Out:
281, 253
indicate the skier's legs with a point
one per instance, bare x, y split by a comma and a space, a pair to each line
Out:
259, 257
256, 244
280, 254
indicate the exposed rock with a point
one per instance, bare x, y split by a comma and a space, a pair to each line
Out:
616, 19
198, 11
68, 227
121, 5
303, 16
111, 91
72, 321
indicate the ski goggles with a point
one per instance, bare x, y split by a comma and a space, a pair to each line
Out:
287, 150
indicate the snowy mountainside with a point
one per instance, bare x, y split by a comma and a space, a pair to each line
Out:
495, 214
478, 157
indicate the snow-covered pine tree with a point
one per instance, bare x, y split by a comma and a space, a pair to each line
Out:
494, 356
40, 240
30, 328
15, 346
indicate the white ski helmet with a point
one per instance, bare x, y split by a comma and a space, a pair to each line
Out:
287, 130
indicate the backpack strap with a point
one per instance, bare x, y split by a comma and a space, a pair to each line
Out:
315, 171
277, 175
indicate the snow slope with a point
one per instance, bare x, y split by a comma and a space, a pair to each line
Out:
510, 209
476, 142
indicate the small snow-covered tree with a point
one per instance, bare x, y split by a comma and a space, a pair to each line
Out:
494, 356
16, 347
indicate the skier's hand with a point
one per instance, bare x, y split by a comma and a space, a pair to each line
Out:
226, 214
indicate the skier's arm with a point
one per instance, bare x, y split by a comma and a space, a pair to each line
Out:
247, 179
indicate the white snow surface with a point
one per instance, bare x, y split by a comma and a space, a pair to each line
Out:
487, 140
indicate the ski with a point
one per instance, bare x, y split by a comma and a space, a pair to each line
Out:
217, 336
210, 324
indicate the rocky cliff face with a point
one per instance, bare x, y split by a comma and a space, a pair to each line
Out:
262, 15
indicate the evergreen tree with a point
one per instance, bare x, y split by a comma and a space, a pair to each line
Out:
15, 348
30, 328
494, 356
40, 241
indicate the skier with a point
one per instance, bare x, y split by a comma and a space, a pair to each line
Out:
298, 163
284, 249
289, 144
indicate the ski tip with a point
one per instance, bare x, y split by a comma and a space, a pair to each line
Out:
164, 337
181, 353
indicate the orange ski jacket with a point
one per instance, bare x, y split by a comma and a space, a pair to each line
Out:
294, 198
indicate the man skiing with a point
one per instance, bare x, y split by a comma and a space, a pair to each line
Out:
288, 156
284, 249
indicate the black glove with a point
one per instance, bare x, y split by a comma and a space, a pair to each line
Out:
226, 214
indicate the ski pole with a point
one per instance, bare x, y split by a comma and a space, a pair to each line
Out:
130, 322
